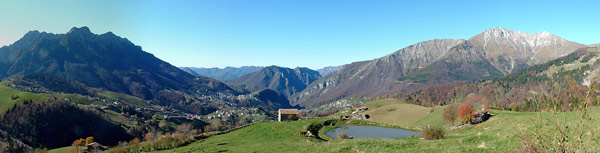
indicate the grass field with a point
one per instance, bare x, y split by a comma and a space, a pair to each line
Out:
80, 99
6, 102
499, 134
5, 97
68, 149
434, 118
396, 112
114, 116
131, 100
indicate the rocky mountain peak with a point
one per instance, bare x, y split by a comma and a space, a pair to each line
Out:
82, 30
492, 53
98, 61
510, 50
297, 69
32, 33
520, 38
499, 31
505, 33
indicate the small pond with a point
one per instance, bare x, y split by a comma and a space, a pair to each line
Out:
373, 132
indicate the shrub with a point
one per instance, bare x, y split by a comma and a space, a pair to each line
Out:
451, 114
433, 133
208, 128
14, 97
135, 141
161, 142
149, 136
77, 143
314, 128
89, 140
465, 113
553, 133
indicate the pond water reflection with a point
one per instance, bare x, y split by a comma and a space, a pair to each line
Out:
373, 132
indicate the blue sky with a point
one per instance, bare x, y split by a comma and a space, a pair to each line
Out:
291, 33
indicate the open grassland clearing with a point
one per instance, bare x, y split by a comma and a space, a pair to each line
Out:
499, 134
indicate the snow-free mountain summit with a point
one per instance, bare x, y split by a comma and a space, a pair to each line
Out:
490, 54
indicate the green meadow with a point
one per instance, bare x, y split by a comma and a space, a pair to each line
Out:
499, 134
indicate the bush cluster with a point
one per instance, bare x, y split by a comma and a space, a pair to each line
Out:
163, 142
433, 133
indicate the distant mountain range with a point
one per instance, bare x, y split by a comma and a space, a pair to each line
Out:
490, 54
229, 73
328, 70
222, 74
113, 63
103, 61
283, 80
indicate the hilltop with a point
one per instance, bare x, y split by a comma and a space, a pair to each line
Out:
283, 80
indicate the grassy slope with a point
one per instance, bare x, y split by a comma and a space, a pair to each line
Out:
68, 149
396, 112
114, 116
6, 102
499, 134
135, 101
81, 99
264, 137
434, 118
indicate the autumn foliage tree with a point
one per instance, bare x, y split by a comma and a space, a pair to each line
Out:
89, 140
135, 141
208, 128
149, 136
451, 114
77, 143
465, 113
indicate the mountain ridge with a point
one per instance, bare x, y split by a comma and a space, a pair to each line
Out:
222, 74
101, 61
454, 60
328, 70
283, 80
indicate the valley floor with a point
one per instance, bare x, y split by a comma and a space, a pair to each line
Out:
499, 134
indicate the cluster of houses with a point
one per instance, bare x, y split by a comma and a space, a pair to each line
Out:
185, 116
222, 97
293, 114
34, 89
221, 114
169, 113
165, 112
246, 97
339, 104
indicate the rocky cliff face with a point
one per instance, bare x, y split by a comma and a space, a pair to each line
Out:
490, 54
511, 50
375, 76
